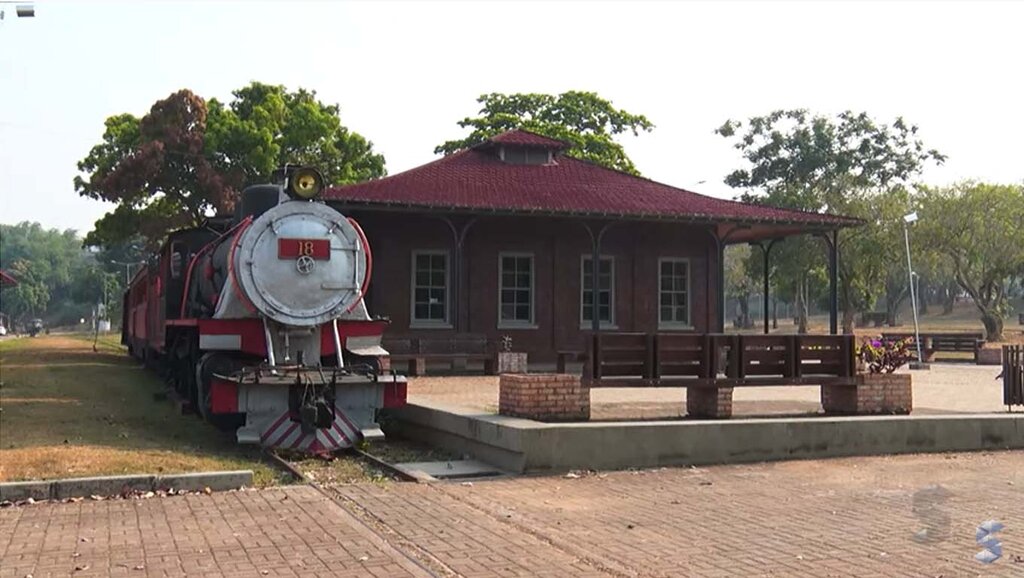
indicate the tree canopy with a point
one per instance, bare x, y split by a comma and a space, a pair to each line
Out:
58, 280
586, 121
189, 157
847, 164
977, 229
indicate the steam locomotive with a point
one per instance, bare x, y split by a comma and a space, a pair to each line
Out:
258, 320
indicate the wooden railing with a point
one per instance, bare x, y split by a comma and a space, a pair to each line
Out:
720, 360
1013, 375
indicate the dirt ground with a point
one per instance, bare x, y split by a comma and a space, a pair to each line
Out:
69, 411
946, 388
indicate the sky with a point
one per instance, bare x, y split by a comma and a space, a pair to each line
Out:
404, 73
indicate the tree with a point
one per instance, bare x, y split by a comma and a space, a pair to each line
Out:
740, 281
978, 228
586, 121
872, 263
798, 160
30, 296
58, 280
188, 157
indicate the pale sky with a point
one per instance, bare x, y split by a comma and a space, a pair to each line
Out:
405, 72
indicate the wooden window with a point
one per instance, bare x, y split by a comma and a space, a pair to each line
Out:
515, 288
430, 288
674, 293
605, 291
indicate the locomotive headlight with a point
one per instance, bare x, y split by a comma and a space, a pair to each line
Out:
305, 183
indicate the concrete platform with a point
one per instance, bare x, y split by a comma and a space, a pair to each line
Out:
521, 445
452, 469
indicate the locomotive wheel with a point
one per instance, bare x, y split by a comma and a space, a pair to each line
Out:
208, 365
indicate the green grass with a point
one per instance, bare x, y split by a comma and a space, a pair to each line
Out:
69, 411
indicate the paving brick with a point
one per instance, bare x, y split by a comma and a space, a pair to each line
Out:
232, 533
846, 517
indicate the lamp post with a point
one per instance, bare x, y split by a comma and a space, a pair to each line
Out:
907, 220
127, 270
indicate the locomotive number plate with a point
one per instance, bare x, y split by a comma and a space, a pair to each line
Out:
294, 248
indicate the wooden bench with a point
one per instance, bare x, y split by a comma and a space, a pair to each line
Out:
719, 360
947, 342
872, 319
706, 364
455, 350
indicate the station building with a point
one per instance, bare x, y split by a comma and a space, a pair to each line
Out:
501, 239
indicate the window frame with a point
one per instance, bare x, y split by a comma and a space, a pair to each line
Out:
689, 294
587, 323
517, 324
415, 323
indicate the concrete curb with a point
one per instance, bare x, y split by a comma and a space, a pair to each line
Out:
116, 485
520, 445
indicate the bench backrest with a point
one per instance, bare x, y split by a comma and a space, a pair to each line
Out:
648, 358
942, 341
622, 355
463, 343
681, 355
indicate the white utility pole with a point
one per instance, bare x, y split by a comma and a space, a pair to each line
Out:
907, 220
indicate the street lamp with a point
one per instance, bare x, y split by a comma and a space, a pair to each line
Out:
907, 221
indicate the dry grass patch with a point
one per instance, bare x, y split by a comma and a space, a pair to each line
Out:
67, 410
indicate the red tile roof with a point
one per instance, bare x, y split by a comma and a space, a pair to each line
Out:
525, 137
474, 179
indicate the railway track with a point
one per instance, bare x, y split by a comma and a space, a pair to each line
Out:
389, 468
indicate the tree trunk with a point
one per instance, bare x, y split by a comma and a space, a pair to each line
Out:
775, 313
891, 313
948, 300
922, 298
848, 318
744, 302
949, 293
801, 306
993, 323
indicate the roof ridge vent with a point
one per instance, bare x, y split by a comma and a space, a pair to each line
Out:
517, 154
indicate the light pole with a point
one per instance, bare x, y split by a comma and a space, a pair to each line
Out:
907, 220
127, 270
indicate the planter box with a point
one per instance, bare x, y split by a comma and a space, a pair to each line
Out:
511, 362
543, 397
990, 356
874, 393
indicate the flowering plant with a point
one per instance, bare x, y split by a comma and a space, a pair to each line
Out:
884, 356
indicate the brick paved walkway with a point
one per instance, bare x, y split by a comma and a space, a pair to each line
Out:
847, 517
293, 531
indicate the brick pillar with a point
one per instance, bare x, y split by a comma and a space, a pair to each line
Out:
709, 403
875, 393
543, 397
